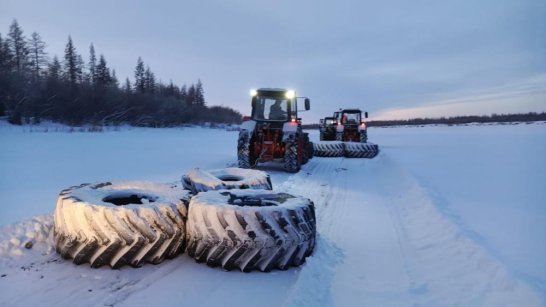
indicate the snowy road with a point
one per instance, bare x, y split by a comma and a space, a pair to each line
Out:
393, 246
382, 242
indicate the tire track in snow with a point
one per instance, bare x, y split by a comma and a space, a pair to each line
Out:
385, 243
445, 267
361, 266
314, 280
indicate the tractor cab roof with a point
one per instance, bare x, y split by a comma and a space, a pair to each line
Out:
272, 92
350, 111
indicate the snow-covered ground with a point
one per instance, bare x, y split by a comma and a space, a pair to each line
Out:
443, 216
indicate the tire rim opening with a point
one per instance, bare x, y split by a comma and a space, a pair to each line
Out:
260, 200
230, 178
129, 199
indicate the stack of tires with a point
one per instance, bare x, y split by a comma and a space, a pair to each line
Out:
229, 218
345, 149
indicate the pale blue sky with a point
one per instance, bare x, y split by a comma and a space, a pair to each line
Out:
391, 58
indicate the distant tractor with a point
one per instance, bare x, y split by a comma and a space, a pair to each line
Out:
327, 129
350, 126
273, 131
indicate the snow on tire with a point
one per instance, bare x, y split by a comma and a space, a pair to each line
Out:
250, 229
198, 180
361, 150
121, 223
328, 149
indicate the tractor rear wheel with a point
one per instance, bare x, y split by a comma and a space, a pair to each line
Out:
292, 162
306, 154
363, 136
310, 150
245, 158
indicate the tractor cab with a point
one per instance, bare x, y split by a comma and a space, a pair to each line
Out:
274, 131
327, 129
350, 117
276, 105
350, 125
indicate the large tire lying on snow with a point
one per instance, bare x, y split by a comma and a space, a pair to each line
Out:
328, 149
361, 150
198, 180
121, 223
250, 229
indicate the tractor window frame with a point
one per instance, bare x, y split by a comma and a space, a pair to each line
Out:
262, 109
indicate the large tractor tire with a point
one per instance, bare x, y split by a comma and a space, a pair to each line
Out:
310, 150
122, 223
363, 136
198, 180
250, 229
307, 149
292, 162
361, 150
328, 149
243, 150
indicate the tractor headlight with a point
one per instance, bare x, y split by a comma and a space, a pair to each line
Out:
290, 94
253, 92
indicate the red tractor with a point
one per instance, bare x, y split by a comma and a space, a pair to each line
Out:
327, 129
350, 126
273, 131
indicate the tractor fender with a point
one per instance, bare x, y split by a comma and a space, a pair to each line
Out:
289, 137
289, 131
248, 126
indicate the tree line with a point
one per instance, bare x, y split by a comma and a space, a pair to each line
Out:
455, 120
458, 120
35, 87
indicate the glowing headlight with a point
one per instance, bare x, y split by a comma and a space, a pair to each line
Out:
253, 93
290, 94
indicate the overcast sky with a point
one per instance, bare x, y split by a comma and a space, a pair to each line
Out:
395, 59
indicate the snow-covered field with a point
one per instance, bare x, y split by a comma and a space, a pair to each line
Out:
443, 216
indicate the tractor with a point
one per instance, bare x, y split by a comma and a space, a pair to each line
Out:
350, 126
327, 129
273, 131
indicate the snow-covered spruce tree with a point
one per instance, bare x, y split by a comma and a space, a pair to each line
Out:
70, 63
18, 46
37, 56
92, 65
54, 70
114, 79
149, 81
6, 58
199, 94
80, 66
140, 85
127, 86
6, 68
103, 77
